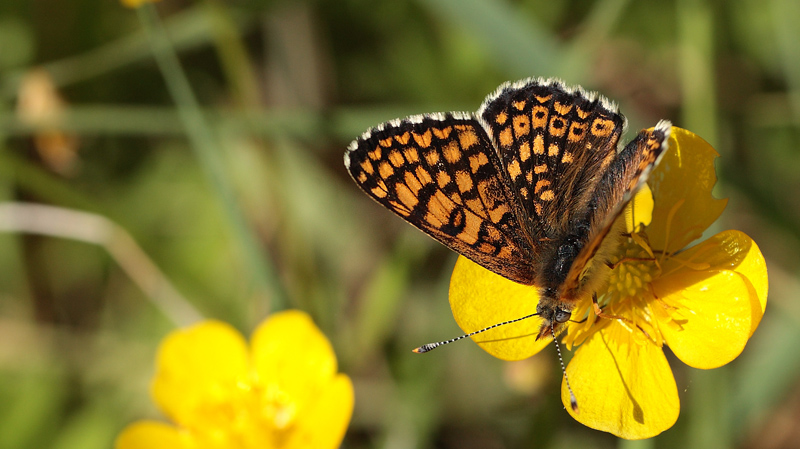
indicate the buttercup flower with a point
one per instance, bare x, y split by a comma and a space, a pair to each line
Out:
136, 3
703, 301
283, 392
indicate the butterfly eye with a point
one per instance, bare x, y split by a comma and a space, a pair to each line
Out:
562, 316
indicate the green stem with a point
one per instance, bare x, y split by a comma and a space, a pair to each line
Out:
208, 152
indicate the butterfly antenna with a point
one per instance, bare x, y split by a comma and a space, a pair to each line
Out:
432, 346
573, 401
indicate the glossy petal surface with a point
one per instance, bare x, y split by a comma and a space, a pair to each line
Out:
681, 185
152, 435
480, 298
623, 387
712, 298
198, 367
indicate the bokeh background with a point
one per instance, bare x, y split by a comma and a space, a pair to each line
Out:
219, 191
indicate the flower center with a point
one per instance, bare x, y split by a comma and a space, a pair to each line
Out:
279, 408
634, 268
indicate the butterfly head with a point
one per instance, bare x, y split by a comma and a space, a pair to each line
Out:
554, 311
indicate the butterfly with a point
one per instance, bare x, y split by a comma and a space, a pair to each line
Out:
529, 187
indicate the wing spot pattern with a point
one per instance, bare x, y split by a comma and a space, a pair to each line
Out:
443, 178
539, 117
524, 151
496, 214
375, 154
522, 125
505, 137
467, 138
406, 196
423, 175
464, 181
385, 170
540, 184
602, 127
576, 131
412, 156
366, 165
379, 192
557, 126
452, 153
442, 133
432, 157
413, 183
562, 109
477, 161
471, 227
423, 140
514, 170
403, 138
538, 144
396, 158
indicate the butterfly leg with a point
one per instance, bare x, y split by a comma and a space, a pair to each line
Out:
599, 312
628, 259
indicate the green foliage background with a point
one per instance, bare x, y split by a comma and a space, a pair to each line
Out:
228, 176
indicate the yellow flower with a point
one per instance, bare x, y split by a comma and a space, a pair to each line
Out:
136, 3
704, 301
283, 392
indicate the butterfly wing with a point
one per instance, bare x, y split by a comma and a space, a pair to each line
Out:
554, 141
623, 177
440, 173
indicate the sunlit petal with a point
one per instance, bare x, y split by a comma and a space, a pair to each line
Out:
204, 364
480, 298
681, 185
640, 210
290, 351
711, 314
728, 250
622, 387
323, 424
712, 298
152, 435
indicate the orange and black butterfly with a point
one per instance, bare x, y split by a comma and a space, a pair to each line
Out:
528, 187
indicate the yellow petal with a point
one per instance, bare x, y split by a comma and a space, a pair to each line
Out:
204, 364
622, 387
639, 210
136, 3
152, 435
480, 298
713, 296
323, 424
681, 185
290, 352
712, 315
728, 250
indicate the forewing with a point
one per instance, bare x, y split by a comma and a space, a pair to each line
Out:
440, 173
554, 142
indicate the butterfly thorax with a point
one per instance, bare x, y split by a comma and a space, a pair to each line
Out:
556, 297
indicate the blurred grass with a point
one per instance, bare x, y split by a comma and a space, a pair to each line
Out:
274, 91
